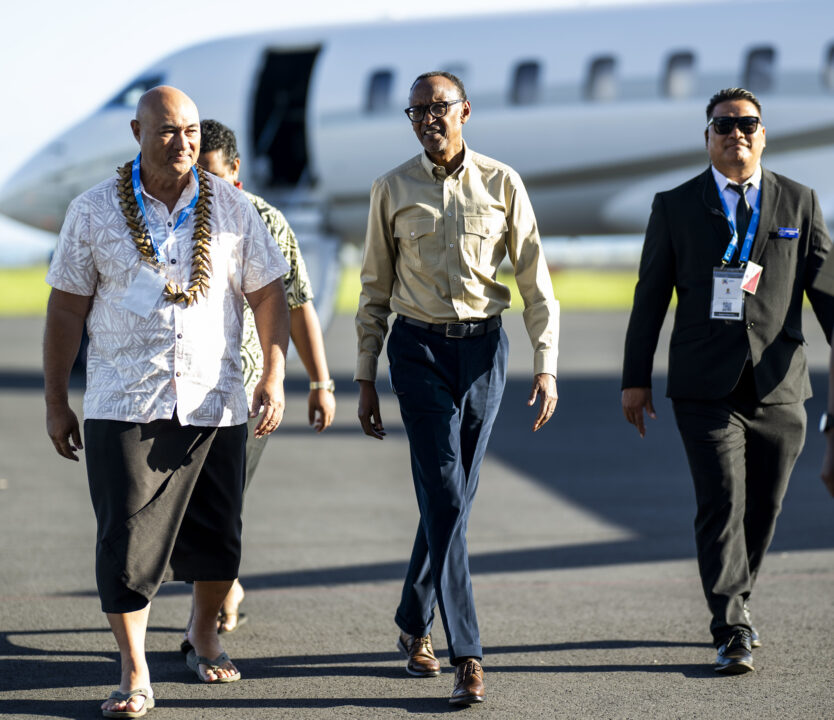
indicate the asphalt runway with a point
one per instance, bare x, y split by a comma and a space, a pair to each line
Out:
581, 544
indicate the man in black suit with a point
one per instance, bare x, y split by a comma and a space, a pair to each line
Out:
739, 245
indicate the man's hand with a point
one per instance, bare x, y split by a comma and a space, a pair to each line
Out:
828, 462
269, 395
545, 384
62, 428
321, 407
272, 321
65, 315
369, 416
635, 400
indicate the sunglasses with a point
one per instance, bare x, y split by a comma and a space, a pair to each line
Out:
416, 113
724, 125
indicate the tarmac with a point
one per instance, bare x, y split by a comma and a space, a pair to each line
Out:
581, 548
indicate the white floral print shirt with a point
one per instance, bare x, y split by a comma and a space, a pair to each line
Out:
183, 360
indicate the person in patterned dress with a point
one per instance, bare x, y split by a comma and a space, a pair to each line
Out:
219, 155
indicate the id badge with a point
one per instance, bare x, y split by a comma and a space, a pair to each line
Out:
145, 290
752, 275
727, 295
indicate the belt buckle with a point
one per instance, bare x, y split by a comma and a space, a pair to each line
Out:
455, 330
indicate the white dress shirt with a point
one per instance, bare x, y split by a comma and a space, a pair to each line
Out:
731, 197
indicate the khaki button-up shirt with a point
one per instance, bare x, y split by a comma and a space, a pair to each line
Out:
432, 250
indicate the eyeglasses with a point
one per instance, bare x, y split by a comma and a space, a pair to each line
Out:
416, 113
724, 125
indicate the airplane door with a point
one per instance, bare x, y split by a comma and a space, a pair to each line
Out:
279, 131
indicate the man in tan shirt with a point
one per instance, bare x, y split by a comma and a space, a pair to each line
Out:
439, 226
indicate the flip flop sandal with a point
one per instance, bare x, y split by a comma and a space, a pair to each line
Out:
224, 617
193, 660
146, 693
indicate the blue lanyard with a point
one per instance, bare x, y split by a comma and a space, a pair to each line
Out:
751, 230
183, 216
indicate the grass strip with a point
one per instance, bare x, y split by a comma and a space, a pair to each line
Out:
25, 292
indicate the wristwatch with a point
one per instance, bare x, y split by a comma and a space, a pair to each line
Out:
329, 385
826, 422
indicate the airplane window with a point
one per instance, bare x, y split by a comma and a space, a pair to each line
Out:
679, 81
129, 97
602, 79
759, 74
828, 69
379, 91
526, 88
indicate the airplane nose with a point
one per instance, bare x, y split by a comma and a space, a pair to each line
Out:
40, 191
29, 197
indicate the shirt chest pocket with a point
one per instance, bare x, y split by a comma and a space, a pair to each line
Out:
418, 243
483, 240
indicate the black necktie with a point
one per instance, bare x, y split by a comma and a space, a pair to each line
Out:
743, 210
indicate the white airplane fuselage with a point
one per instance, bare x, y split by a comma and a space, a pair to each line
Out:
597, 109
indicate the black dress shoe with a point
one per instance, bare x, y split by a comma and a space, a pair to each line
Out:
735, 656
755, 642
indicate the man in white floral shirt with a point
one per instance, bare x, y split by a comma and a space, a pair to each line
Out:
156, 261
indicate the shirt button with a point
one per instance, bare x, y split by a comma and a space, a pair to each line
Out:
455, 278
750, 325
449, 214
451, 244
178, 373
169, 223
179, 336
173, 261
412, 234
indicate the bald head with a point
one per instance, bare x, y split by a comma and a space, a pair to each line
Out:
167, 128
161, 99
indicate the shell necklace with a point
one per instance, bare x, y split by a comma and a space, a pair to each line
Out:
201, 239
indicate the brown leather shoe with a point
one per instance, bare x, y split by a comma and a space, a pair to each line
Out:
469, 684
421, 659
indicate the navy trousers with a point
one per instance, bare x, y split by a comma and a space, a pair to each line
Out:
449, 390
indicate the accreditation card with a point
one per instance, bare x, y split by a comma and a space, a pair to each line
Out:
727, 295
145, 290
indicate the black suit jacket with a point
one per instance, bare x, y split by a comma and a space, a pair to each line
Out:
685, 239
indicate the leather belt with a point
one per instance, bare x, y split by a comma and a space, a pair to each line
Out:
463, 329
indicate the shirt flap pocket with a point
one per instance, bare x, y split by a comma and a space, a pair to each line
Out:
413, 227
485, 225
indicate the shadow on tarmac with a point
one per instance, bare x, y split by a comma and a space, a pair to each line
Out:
592, 457
588, 455
92, 668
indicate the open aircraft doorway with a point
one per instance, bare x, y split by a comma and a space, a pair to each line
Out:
279, 120
281, 167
